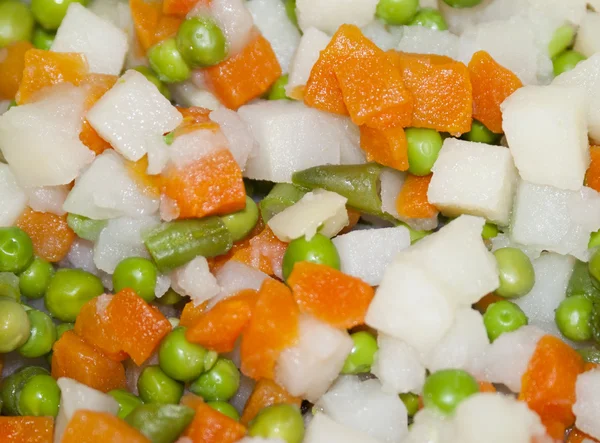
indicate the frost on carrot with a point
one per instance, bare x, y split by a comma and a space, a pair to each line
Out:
263, 251
26, 429
266, 393
97, 85
412, 200
150, 23
387, 147
209, 425
100, 427
51, 236
592, 176
11, 68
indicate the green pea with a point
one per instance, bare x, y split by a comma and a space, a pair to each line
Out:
42, 335
50, 13
280, 421
161, 423
155, 386
9, 286
40, 397
16, 22
501, 317
462, 3
42, 39
411, 401
62, 328
277, 91
201, 42
362, 355
166, 60
444, 390
397, 12
14, 325
86, 228
225, 408
424, 146
429, 18
34, 280
210, 360
151, 76
573, 318
241, 223
170, 298
566, 60
290, 10
319, 249
136, 273
490, 230
220, 383
517, 276
127, 401
16, 250
590, 355
594, 268
563, 38
69, 290
594, 240
13, 384
169, 138
180, 359
479, 133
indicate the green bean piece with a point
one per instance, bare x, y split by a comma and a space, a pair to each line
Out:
127, 401
282, 196
13, 384
161, 423
241, 223
86, 228
290, 9
563, 38
277, 91
411, 401
581, 283
590, 355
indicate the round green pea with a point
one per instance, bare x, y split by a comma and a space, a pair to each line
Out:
566, 60
40, 397
362, 354
594, 240
127, 401
462, 3
479, 133
62, 328
34, 280
50, 13
319, 249
220, 383
42, 335
14, 326
517, 276
9, 286
280, 421
225, 408
573, 318
501, 317
69, 290
277, 91
154, 386
201, 42
290, 10
445, 389
424, 146
397, 12
166, 60
180, 359
16, 22
489, 231
42, 39
13, 384
170, 298
151, 76
429, 18
563, 38
16, 250
241, 223
411, 402
136, 273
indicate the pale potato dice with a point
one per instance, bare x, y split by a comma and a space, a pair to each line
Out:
588, 35
422, 40
307, 53
330, 15
13, 199
587, 392
195, 280
323, 429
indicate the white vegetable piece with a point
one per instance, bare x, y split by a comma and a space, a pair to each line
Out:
81, 256
188, 94
587, 395
247, 440
422, 40
48, 198
308, 368
103, 44
4, 105
133, 116
320, 210
234, 20
195, 280
474, 178
291, 137
13, 199
40, 141
324, 429
547, 218
365, 254
555, 155
106, 190
504, 241
430, 427
365, 407
397, 366
378, 33
235, 276
307, 53
190, 147
241, 141
588, 35
329, 16
349, 138
75, 396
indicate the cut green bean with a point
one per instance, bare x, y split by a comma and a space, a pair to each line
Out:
282, 196
161, 423
84, 227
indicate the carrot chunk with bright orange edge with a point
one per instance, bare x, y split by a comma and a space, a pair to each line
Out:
387, 147
412, 200
219, 328
74, 358
51, 236
182, 7
151, 24
330, 295
485, 386
26, 429
12, 62
272, 328
592, 176
100, 427
209, 425
97, 85
266, 393
263, 252
47, 68
486, 301
492, 84
577, 436
191, 314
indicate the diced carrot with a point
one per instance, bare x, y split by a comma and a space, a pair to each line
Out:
219, 328
26, 429
182, 7
387, 147
412, 200
149, 184
100, 427
12, 62
47, 68
151, 25
592, 176
263, 252
51, 236
397, 57
353, 218
97, 85
74, 358
194, 118
323, 90
548, 385
266, 393
330, 295
245, 76
209, 425
485, 386
486, 301
577, 436
191, 314
589, 366
272, 328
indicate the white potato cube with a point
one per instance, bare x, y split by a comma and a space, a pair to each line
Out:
397, 366
103, 44
188, 94
195, 280
13, 199
588, 35
587, 394
235, 276
48, 198
474, 178
504, 241
241, 141
329, 16
429, 426
234, 19
324, 429
385, 38
422, 40
349, 138
548, 154
307, 53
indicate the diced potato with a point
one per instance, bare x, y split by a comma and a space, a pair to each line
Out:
329, 16
474, 178
48, 198
190, 147
235, 276
431, 427
422, 40
324, 429
503, 241
234, 19
195, 280
588, 35
13, 199
349, 138
307, 53
547, 154
385, 38
241, 141
188, 94
587, 393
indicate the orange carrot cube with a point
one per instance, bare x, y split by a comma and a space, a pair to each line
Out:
263, 251
385, 146
191, 314
592, 176
209, 425
51, 236
151, 24
266, 393
26, 429
412, 200
12, 63
100, 427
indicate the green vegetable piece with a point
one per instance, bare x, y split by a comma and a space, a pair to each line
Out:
397, 12
16, 250
34, 280
319, 249
13, 384
362, 355
136, 273
42, 335
40, 396
16, 22
168, 63
12, 104
290, 9
9, 286
170, 298
462, 3
594, 240
174, 322
62, 328
280, 421
225, 408
490, 231
220, 383
517, 276
479, 133
573, 317
241, 223
282, 196
127, 401
180, 359
14, 325
594, 268
445, 389
581, 282
590, 355
277, 91
501, 317
424, 146
201, 42
86, 228
566, 60
175, 243
69, 290
151, 76
42, 39
50, 13
155, 386
563, 38
210, 359
411, 401
429, 18
161, 423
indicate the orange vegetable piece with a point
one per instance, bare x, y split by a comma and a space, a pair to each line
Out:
387, 147
272, 328
194, 118
353, 218
209, 425
485, 386
245, 76
151, 24
47, 68
100, 427
191, 314
397, 58
26, 429
486, 301
12, 62
263, 252
76, 359
97, 85
548, 385
181, 7
322, 89
577, 436
592, 176
219, 328
150, 184
266, 393
412, 200
51, 236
